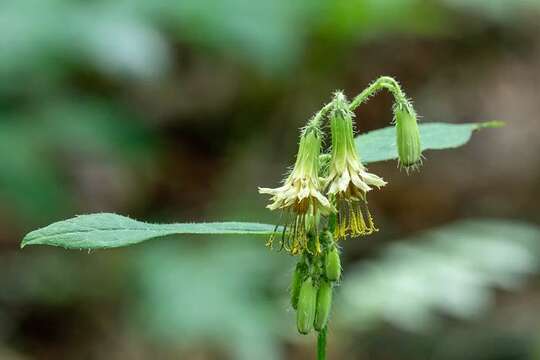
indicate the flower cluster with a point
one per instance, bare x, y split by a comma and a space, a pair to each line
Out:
324, 198
307, 192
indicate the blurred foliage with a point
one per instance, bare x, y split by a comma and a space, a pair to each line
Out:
95, 96
194, 296
133, 43
128, 37
450, 270
498, 10
228, 295
37, 144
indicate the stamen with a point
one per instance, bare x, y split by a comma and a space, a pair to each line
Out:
354, 229
353, 218
371, 223
363, 228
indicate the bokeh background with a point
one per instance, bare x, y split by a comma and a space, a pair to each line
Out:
177, 110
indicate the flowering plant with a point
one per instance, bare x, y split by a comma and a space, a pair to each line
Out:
322, 200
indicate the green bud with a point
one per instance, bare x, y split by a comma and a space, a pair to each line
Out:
333, 264
408, 137
305, 314
344, 148
324, 304
296, 284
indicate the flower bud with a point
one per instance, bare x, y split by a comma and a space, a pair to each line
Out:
333, 264
305, 314
296, 284
324, 304
408, 137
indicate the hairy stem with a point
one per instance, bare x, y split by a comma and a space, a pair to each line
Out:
384, 82
317, 119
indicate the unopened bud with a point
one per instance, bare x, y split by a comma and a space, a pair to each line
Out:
296, 284
408, 138
324, 304
305, 313
333, 264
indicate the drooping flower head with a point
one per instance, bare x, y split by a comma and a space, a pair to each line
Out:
300, 197
407, 136
348, 180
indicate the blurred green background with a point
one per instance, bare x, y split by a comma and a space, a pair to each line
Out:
177, 110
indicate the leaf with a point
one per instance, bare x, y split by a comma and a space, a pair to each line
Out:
380, 145
451, 270
105, 230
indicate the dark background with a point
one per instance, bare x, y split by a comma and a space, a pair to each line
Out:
176, 111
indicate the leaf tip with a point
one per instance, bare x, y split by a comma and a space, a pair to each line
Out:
494, 124
30, 239
25, 241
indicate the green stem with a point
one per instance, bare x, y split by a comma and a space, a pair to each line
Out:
316, 120
321, 344
384, 82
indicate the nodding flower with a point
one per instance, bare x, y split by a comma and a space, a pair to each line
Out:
348, 181
300, 197
407, 136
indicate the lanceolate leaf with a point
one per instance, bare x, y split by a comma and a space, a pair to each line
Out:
102, 231
380, 145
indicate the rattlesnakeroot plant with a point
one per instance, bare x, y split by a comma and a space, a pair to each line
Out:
323, 200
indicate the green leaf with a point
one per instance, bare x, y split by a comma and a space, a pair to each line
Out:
448, 270
104, 230
380, 145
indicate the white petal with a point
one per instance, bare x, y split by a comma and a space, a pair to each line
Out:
304, 192
323, 201
359, 183
373, 179
344, 180
333, 188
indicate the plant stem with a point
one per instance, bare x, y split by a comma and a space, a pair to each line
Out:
384, 82
321, 344
316, 120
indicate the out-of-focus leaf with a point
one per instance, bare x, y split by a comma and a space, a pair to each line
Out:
104, 230
268, 34
365, 19
380, 145
498, 10
30, 142
225, 294
101, 35
449, 270
27, 182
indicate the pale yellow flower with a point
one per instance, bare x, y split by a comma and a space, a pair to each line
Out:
300, 197
348, 181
